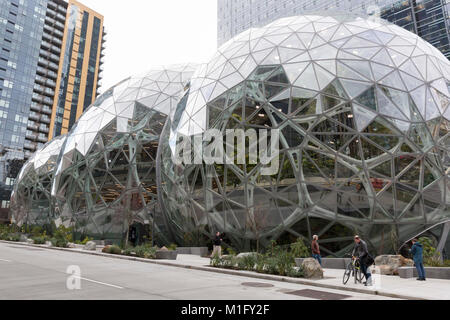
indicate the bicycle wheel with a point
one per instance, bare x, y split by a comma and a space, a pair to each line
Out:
347, 273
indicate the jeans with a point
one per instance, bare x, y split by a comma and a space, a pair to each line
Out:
318, 258
420, 269
365, 270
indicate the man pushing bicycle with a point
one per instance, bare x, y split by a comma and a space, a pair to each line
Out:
361, 253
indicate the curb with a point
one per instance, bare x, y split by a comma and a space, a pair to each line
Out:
248, 274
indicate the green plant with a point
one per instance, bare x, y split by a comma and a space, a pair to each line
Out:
40, 239
145, 251
172, 247
36, 231
299, 249
113, 249
86, 240
15, 237
431, 257
230, 251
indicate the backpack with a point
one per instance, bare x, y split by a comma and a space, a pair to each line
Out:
369, 260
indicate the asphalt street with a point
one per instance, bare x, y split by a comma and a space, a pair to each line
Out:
28, 273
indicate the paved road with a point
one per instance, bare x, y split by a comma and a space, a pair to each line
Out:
35, 273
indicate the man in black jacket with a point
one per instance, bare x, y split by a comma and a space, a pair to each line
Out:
217, 246
360, 252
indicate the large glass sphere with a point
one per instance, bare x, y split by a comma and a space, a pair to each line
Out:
105, 180
362, 108
31, 201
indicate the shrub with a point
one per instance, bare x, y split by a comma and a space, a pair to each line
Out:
13, 237
113, 249
299, 249
86, 240
145, 251
40, 240
172, 247
36, 231
278, 262
247, 262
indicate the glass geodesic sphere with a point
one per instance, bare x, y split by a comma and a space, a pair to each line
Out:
363, 112
105, 180
31, 201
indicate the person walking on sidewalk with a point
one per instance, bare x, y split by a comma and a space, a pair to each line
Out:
316, 249
365, 259
217, 249
417, 253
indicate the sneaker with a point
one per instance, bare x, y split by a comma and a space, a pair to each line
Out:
368, 282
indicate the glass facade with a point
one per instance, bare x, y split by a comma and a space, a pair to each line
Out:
429, 19
106, 176
32, 79
21, 27
31, 201
363, 113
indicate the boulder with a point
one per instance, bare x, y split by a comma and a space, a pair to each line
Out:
163, 249
312, 269
246, 254
389, 264
23, 238
48, 243
90, 246
71, 245
30, 241
166, 255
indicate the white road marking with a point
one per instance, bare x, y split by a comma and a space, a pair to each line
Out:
5, 260
98, 282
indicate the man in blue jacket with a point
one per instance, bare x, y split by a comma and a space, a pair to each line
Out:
417, 253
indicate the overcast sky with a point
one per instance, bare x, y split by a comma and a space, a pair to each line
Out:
146, 33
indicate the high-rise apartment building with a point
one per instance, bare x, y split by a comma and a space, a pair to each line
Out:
429, 19
50, 69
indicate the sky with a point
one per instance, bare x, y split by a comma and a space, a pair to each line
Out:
146, 33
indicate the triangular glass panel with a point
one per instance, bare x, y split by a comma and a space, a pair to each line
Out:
363, 116
335, 88
368, 99
308, 79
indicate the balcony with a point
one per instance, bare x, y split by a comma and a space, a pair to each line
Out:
31, 137
44, 129
30, 146
33, 116
46, 110
35, 107
32, 126
42, 139
45, 119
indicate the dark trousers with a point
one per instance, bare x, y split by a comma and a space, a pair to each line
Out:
364, 269
420, 269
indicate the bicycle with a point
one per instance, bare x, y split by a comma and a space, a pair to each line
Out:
353, 269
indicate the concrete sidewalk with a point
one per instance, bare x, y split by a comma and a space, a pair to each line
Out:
388, 286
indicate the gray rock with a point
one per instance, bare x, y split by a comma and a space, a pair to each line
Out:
23, 238
246, 254
90, 246
30, 241
312, 269
49, 244
166, 255
389, 264
71, 245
